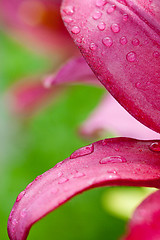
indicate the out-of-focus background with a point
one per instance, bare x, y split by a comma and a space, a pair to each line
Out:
30, 146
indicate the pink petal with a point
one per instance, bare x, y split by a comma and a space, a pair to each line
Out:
27, 97
119, 161
121, 42
109, 116
75, 70
145, 223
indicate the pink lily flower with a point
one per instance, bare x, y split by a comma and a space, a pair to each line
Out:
120, 41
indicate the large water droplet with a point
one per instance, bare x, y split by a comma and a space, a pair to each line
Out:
111, 9
131, 56
101, 3
75, 30
69, 10
97, 15
123, 40
112, 159
107, 41
101, 26
155, 147
135, 42
115, 27
82, 151
20, 196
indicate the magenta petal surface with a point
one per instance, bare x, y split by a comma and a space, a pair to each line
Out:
120, 40
75, 70
110, 116
145, 223
119, 161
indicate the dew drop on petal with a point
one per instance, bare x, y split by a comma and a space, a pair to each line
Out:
112, 159
67, 19
69, 10
63, 180
155, 147
104, 142
75, 30
97, 15
93, 46
20, 196
107, 41
101, 26
59, 174
82, 151
135, 42
14, 222
123, 40
131, 56
111, 9
115, 27
125, 17
78, 175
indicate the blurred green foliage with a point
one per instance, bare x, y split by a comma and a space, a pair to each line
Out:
33, 146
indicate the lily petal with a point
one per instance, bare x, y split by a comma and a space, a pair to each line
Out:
109, 116
120, 40
26, 97
145, 223
119, 161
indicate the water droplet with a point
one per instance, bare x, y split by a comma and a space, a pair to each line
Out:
156, 54
75, 30
59, 174
123, 40
78, 175
93, 46
82, 151
112, 159
115, 27
101, 3
101, 26
125, 17
107, 41
69, 10
111, 9
14, 222
20, 196
23, 212
122, 2
63, 180
135, 42
67, 19
97, 15
131, 56
155, 147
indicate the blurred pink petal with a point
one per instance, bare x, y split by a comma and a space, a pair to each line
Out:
37, 23
27, 97
122, 48
111, 117
119, 161
145, 223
